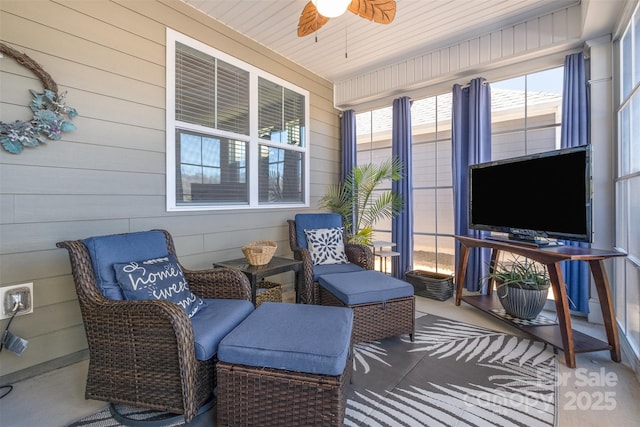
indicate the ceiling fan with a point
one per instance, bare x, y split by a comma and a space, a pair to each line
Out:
317, 12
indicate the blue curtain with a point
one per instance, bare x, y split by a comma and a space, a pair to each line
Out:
471, 143
349, 149
574, 132
349, 153
402, 224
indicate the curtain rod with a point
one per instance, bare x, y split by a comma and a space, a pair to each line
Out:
486, 82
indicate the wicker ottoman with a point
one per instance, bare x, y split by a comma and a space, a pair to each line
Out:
286, 365
382, 306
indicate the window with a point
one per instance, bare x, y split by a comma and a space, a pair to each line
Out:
627, 270
526, 117
432, 184
373, 139
236, 136
526, 114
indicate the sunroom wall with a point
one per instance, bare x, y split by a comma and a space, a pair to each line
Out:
108, 176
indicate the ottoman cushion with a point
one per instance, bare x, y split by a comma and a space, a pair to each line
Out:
304, 338
366, 286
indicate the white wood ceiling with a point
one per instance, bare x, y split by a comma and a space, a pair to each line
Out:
349, 45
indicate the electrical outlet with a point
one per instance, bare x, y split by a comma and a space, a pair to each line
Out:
16, 294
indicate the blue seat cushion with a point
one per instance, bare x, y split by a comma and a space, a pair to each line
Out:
365, 286
304, 338
105, 251
312, 222
215, 320
319, 270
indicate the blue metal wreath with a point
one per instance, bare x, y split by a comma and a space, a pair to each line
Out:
49, 111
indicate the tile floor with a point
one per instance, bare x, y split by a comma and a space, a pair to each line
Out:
598, 393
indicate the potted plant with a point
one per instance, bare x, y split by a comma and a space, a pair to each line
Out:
522, 286
360, 203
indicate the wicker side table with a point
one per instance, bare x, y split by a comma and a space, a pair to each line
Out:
268, 291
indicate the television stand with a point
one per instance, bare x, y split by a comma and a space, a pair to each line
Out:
528, 242
560, 336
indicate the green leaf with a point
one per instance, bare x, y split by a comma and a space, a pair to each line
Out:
360, 202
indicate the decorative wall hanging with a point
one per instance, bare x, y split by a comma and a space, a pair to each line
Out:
49, 111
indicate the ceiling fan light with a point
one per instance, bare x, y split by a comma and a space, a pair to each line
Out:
331, 8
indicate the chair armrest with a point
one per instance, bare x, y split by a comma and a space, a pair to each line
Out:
157, 329
224, 283
302, 254
360, 255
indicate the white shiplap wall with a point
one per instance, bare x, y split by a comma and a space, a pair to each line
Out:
551, 33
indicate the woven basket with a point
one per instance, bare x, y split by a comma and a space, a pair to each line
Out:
268, 291
430, 285
259, 252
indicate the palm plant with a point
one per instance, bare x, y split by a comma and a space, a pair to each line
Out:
359, 202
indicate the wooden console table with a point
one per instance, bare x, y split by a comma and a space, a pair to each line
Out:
560, 336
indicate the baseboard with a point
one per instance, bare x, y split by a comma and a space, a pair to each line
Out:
43, 368
629, 355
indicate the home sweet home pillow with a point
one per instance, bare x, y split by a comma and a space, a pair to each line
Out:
159, 278
326, 245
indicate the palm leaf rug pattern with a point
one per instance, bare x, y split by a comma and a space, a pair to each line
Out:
453, 374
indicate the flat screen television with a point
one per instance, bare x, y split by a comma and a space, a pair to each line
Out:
534, 198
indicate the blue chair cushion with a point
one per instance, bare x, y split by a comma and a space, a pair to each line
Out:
319, 270
365, 287
304, 338
214, 321
312, 222
158, 278
120, 248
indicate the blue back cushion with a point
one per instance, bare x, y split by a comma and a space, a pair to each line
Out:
105, 251
312, 222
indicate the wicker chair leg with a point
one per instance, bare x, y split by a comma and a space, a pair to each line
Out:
170, 419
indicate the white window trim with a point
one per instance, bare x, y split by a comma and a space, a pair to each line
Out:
252, 168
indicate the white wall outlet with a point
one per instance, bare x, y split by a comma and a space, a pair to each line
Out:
22, 295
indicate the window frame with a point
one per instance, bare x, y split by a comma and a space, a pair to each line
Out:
253, 140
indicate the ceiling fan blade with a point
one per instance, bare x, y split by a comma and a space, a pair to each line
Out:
380, 11
310, 20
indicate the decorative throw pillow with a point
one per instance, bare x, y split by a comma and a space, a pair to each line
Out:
159, 278
326, 245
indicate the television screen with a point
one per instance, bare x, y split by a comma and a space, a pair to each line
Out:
539, 196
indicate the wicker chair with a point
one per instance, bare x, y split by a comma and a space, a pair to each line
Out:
142, 351
357, 254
